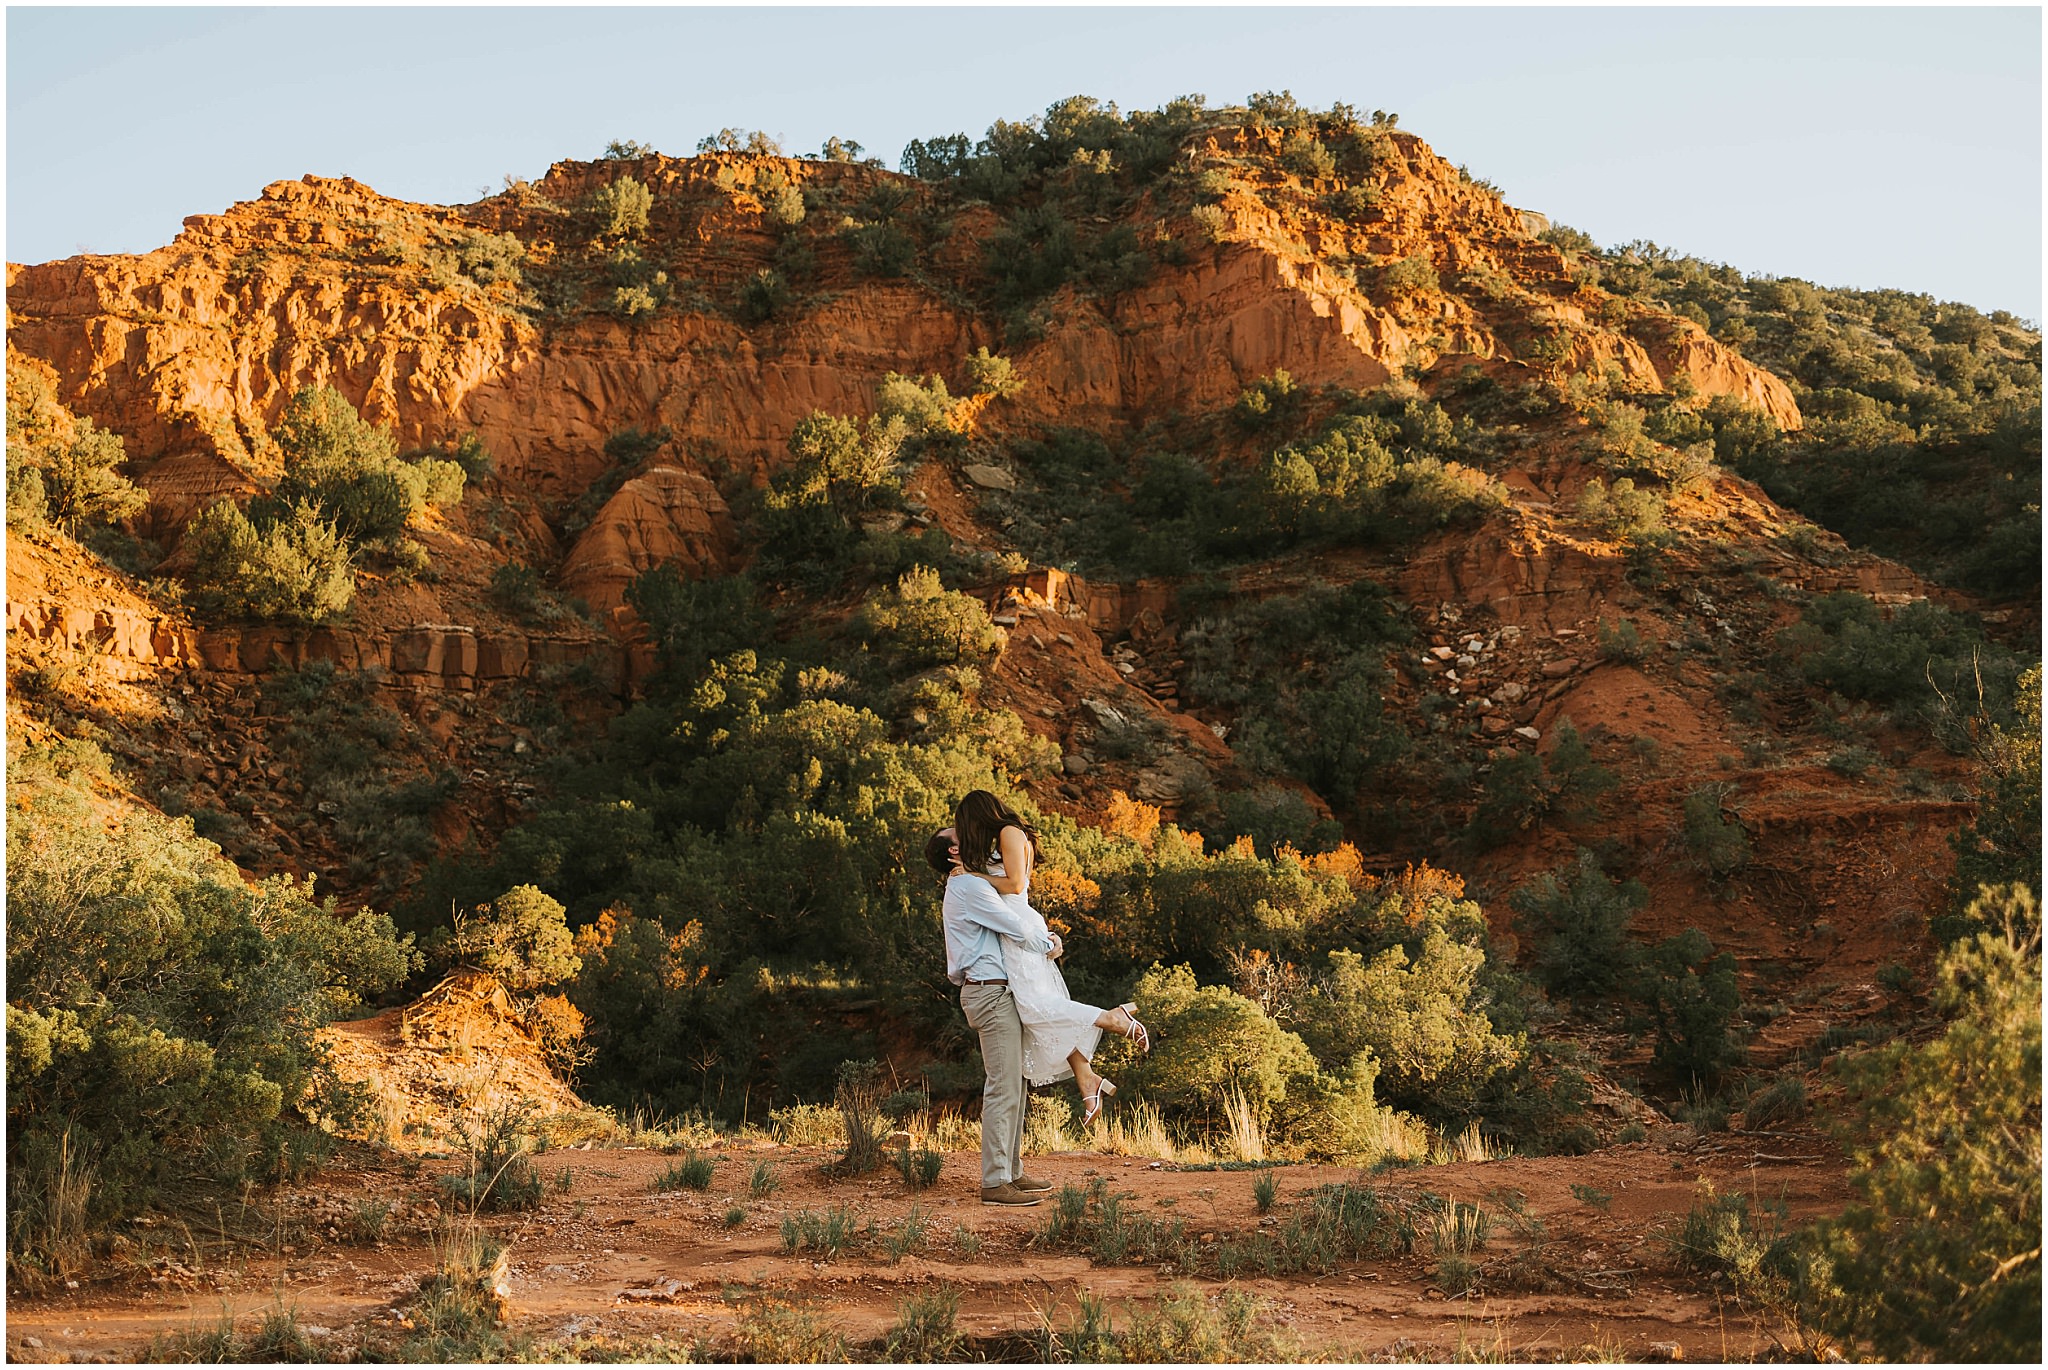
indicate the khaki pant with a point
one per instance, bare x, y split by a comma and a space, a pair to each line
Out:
993, 1013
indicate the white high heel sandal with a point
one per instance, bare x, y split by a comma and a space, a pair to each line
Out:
1104, 1087
1138, 1032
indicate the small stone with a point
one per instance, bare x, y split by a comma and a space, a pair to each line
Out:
1666, 1350
1467, 662
1495, 724
1067, 638
1529, 733
1563, 666
1442, 653
990, 477
1512, 691
32, 1343
1073, 763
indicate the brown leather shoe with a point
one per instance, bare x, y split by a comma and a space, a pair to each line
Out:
1031, 1185
1009, 1196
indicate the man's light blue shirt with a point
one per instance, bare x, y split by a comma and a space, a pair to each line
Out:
977, 920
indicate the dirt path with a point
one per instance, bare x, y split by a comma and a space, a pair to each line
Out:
610, 1258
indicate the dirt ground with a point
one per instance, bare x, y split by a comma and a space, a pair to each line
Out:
611, 1261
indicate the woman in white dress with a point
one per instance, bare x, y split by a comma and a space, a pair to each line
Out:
1060, 1035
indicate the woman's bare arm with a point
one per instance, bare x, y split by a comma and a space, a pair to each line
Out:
1016, 861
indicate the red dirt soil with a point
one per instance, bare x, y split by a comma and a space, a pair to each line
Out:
612, 1260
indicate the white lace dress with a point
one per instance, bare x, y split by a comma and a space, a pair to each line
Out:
1054, 1024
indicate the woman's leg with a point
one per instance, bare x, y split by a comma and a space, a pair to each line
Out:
1084, 1074
1114, 1020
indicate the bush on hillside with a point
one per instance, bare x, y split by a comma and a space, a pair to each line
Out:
522, 937
992, 375
1691, 995
918, 622
349, 471
2002, 844
61, 469
619, 208
1576, 919
296, 569
1922, 662
1942, 1259
161, 1011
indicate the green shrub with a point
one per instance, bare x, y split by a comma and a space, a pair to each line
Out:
925, 1331
1577, 919
161, 1010
516, 588
349, 470
920, 401
1420, 1012
765, 295
521, 937
1525, 788
2002, 843
919, 623
762, 1180
297, 569
992, 375
880, 249
920, 1168
827, 1234
1265, 1188
692, 1172
1620, 510
782, 204
501, 1175
1942, 1258
1354, 202
859, 1096
1412, 275
1920, 662
619, 208
1266, 401
456, 1316
27, 506
474, 458
1725, 1236
81, 482
1210, 1038
1692, 998
1781, 1101
1621, 641
1720, 845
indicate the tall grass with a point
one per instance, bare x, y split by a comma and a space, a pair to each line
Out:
926, 1329
1246, 1134
1469, 1145
775, 1330
1139, 1129
46, 1214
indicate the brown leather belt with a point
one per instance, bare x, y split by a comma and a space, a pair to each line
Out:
988, 982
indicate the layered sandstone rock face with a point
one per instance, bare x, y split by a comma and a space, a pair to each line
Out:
191, 351
667, 515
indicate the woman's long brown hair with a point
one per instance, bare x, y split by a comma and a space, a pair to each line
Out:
979, 821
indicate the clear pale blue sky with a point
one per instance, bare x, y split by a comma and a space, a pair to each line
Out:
1865, 147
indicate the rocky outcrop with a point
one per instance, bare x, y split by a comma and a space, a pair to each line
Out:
452, 657
191, 351
666, 514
